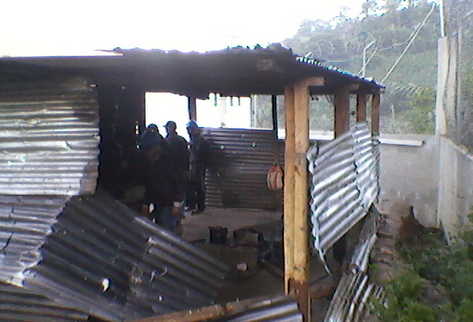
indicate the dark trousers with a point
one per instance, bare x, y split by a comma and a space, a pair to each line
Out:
196, 195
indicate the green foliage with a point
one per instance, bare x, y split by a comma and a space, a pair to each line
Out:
404, 298
420, 118
390, 24
433, 264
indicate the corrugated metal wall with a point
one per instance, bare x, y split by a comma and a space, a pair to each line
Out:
344, 184
236, 177
49, 138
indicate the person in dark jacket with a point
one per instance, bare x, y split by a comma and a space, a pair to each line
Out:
179, 154
150, 132
162, 185
178, 146
199, 151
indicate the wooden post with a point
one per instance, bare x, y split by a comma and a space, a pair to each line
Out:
289, 168
301, 200
296, 193
361, 108
342, 111
375, 103
192, 108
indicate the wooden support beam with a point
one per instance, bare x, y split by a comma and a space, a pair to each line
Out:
361, 107
375, 104
192, 108
342, 111
313, 81
301, 199
289, 168
205, 313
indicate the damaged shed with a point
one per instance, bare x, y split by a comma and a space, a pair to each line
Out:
68, 126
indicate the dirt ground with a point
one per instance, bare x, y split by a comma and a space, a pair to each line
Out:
259, 279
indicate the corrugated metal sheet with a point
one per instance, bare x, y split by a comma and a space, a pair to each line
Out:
25, 223
344, 184
319, 66
350, 300
366, 241
349, 304
276, 309
48, 138
236, 178
19, 304
97, 256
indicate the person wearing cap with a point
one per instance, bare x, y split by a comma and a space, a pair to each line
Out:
199, 151
161, 182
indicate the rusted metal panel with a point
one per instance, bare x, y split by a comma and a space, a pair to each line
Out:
49, 138
345, 176
95, 255
240, 159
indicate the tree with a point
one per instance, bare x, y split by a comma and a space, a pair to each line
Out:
390, 23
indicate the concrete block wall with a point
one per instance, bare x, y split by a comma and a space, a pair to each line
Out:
455, 197
435, 178
410, 173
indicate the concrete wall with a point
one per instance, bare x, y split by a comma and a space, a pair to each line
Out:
455, 198
435, 178
410, 173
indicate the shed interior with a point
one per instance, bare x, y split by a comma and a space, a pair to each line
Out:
122, 79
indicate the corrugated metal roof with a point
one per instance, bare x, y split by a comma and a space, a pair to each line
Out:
19, 304
238, 71
237, 174
97, 256
273, 50
337, 71
49, 138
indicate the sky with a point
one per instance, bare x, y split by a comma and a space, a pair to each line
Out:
60, 27
69, 28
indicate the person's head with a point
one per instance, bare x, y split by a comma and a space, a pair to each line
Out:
192, 128
152, 147
170, 127
152, 128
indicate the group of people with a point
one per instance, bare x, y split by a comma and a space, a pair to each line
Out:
174, 173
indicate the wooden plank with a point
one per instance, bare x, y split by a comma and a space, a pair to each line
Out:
375, 103
314, 81
301, 200
361, 108
192, 108
342, 110
205, 313
201, 314
289, 163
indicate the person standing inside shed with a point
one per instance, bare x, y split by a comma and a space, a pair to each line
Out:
179, 153
199, 151
161, 183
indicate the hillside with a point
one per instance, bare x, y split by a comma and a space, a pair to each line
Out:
390, 26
